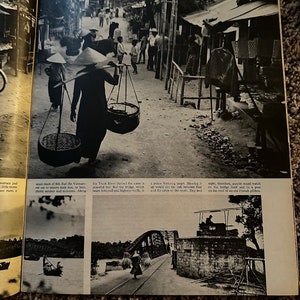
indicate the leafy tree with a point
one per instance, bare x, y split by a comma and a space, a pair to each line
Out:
251, 217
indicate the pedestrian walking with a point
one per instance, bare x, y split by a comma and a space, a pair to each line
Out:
107, 17
143, 46
117, 32
136, 268
134, 55
56, 73
90, 90
101, 18
120, 50
152, 49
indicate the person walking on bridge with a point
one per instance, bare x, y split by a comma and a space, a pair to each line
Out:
136, 268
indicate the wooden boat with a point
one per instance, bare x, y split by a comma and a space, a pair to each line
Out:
49, 269
53, 272
4, 265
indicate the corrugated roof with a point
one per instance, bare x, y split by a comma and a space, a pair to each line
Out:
2, 12
228, 11
262, 11
4, 5
212, 12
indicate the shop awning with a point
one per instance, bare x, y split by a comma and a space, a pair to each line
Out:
227, 11
212, 13
6, 6
247, 11
2, 12
262, 11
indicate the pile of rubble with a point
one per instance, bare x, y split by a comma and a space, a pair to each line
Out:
253, 159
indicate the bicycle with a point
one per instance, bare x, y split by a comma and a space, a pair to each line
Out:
3, 80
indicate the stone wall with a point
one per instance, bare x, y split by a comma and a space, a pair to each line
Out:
207, 255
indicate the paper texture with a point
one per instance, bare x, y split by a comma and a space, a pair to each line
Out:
158, 159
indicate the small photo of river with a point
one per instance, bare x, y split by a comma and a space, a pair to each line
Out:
70, 282
10, 277
54, 244
11, 230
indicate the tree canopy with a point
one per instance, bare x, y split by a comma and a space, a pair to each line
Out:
251, 217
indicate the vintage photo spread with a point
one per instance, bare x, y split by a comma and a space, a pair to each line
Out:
17, 39
158, 161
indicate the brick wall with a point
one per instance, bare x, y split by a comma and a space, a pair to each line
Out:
203, 256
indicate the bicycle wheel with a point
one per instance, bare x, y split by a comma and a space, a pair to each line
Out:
2, 82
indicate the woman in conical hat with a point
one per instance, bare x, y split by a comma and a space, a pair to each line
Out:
136, 268
56, 73
90, 57
89, 89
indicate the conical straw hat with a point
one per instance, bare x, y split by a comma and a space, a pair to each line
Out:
90, 56
56, 58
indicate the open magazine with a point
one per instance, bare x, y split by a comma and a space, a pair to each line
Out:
146, 149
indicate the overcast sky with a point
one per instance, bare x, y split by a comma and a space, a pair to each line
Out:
126, 217
68, 219
10, 201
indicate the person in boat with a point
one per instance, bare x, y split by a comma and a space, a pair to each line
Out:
46, 265
90, 90
136, 268
56, 73
59, 266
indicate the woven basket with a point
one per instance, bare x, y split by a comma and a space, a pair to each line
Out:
59, 149
123, 117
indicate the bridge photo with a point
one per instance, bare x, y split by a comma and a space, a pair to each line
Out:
204, 245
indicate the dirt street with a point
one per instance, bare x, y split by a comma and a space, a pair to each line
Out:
166, 144
14, 121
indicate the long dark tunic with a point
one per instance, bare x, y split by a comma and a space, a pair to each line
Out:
92, 114
136, 268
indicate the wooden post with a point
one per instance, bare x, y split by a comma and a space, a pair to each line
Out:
171, 33
182, 90
164, 12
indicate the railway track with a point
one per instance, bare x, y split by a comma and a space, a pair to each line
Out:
130, 286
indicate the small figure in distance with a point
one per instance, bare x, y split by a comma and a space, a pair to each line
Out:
209, 221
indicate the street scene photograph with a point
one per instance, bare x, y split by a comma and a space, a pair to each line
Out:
17, 36
158, 89
54, 244
167, 245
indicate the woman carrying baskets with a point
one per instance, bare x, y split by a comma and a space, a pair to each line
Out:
56, 73
92, 113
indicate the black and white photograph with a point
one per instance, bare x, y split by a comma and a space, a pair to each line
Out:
158, 89
17, 36
167, 245
54, 244
11, 232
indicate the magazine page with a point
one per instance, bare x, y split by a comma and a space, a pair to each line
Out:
17, 35
159, 156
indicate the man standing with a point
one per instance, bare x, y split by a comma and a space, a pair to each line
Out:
101, 18
152, 49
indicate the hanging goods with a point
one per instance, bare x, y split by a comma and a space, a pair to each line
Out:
60, 148
123, 117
